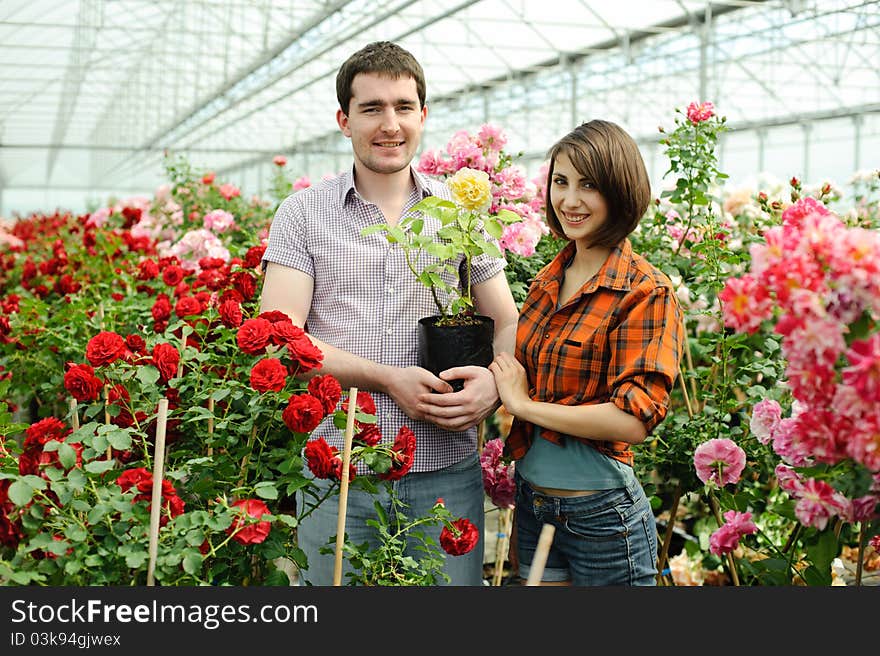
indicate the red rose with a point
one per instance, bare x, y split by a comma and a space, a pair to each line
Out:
104, 348
208, 178
230, 295
132, 477
245, 283
230, 313
243, 530
268, 374
327, 390
275, 316
303, 413
135, 343
188, 306
211, 262
321, 458
254, 257
166, 359
147, 270
461, 538
161, 309
43, 431
370, 436
284, 332
213, 279
364, 404
254, 336
142, 480
305, 355
172, 276
403, 451
82, 383
117, 395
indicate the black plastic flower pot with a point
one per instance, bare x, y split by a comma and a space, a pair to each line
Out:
445, 346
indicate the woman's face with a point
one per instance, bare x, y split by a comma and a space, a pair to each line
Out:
579, 206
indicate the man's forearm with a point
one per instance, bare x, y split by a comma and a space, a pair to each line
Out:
505, 337
349, 369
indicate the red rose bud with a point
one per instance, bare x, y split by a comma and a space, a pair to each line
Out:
208, 178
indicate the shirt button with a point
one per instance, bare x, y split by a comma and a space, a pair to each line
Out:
546, 335
388, 331
390, 290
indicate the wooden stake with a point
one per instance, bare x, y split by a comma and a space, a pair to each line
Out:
74, 414
343, 487
502, 544
541, 552
156, 499
107, 416
211, 425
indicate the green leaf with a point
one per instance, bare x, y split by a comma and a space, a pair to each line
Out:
192, 562
507, 216
20, 493
120, 440
266, 490
136, 559
147, 375
66, 455
99, 466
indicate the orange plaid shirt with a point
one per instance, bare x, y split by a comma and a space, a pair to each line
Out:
619, 339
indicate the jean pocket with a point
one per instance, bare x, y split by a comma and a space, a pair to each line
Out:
600, 516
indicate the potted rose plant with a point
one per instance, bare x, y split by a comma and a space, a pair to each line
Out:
440, 241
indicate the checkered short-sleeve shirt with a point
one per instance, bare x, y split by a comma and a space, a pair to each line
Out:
366, 301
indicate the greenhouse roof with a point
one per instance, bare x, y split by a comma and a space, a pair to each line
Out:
93, 93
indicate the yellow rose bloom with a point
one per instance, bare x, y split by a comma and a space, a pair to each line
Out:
471, 189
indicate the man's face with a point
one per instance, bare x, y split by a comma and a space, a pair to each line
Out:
384, 122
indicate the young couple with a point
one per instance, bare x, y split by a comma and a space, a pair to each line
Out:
586, 366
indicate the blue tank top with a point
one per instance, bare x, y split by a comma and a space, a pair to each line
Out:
573, 465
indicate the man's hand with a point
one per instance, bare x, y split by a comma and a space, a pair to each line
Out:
407, 386
459, 411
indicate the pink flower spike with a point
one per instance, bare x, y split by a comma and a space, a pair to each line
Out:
720, 461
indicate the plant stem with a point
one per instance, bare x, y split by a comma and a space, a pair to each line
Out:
667, 538
863, 536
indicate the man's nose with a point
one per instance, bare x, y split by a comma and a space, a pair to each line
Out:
390, 123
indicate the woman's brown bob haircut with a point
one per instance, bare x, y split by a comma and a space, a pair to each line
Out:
381, 57
604, 154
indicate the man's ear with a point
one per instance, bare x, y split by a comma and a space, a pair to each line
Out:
342, 122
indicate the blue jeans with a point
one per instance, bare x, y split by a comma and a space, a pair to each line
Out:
461, 487
605, 538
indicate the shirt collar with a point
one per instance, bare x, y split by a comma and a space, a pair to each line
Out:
346, 184
614, 274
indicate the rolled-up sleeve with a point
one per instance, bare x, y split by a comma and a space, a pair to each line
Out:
646, 352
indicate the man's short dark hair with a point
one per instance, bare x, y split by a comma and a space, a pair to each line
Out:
384, 58
607, 156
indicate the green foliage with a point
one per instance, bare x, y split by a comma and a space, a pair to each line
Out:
432, 249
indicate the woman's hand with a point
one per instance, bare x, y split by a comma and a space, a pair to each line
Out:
511, 381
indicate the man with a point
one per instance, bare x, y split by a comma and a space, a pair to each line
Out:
361, 306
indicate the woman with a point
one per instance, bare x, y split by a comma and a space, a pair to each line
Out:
598, 344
